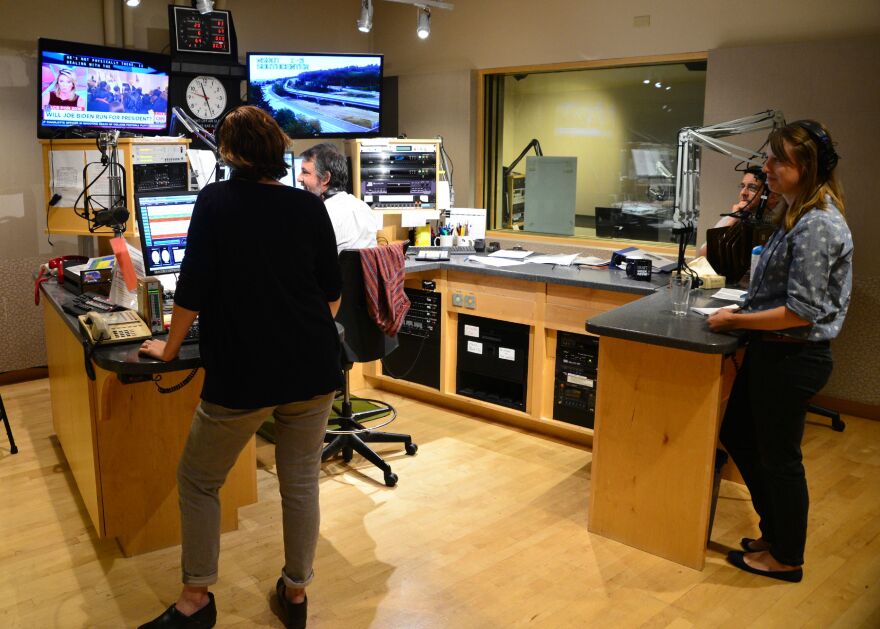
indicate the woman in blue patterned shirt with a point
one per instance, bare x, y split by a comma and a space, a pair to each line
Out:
796, 304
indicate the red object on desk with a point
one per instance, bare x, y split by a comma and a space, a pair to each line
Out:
123, 262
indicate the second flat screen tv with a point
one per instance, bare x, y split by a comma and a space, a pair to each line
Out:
318, 95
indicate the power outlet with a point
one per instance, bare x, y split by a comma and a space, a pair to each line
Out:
457, 299
470, 301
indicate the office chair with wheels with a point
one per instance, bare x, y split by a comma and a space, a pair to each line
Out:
362, 341
837, 424
12, 447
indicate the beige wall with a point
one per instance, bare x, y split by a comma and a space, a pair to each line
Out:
825, 81
437, 94
500, 33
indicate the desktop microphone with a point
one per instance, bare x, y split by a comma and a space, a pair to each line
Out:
111, 216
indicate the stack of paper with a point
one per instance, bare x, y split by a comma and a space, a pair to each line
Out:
592, 261
560, 259
711, 311
495, 261
513, 254
731, 294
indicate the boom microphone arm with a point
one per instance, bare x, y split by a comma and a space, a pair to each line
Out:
192, 127
691, 141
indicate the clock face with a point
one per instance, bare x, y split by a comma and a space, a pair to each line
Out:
206, 97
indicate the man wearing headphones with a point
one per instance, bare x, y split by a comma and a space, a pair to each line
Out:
753, 193
324, 172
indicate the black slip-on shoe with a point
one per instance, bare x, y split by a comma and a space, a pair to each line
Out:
171, 618
294, 615
737, 558
746, 543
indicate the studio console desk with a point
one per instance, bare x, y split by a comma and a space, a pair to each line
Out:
543, 301
123, 439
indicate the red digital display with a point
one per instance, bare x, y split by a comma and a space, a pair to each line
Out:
207, 33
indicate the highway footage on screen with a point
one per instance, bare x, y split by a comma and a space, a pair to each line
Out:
311, 95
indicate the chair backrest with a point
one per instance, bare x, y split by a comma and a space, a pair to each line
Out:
364, 341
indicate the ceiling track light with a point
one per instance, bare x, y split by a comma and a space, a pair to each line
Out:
365, 23
423, 23
204, 6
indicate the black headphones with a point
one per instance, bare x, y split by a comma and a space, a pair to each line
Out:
826, 155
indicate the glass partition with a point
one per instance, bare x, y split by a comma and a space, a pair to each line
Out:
587, 152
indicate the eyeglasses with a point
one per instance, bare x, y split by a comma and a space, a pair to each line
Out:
752, 187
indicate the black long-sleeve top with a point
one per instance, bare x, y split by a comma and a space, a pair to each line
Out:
260, 268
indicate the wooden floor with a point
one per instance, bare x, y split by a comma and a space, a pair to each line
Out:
487, 528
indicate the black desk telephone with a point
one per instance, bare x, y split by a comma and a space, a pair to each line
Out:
104, 328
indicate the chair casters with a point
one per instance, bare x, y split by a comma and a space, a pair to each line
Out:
411, 448
390, 479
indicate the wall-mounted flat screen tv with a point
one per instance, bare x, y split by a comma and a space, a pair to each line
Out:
85, 88
318, 95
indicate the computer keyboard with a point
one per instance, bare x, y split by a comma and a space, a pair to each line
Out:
453, 251
192, 335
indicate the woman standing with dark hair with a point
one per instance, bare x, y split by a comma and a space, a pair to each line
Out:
275, 354
796, 304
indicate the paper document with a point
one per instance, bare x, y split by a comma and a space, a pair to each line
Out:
65, 177
592, 261
497, 262
417, 218
561, 259
204, 165
513, 254
98, 178
711, 311
731, 294
119, 293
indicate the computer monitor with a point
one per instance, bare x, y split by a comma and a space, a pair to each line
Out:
318, 95
294, 165
163, 221
83, 89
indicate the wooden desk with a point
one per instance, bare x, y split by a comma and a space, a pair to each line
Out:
548, 301
123, 441
663, 385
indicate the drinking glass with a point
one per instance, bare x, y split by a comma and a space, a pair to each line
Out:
680, 292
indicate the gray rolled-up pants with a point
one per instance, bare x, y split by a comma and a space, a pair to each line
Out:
217, 436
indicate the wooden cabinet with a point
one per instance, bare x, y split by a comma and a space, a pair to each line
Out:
123, 443
545, 308
63, 164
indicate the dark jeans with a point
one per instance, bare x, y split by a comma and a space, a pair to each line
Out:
762, 431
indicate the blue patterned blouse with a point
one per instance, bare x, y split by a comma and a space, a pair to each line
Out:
808, 270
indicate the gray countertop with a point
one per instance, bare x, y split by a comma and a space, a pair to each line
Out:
122, 358
603, 279
650, 320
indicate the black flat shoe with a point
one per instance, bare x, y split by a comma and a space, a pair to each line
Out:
746, 543
294, 615
171, 618
737, 558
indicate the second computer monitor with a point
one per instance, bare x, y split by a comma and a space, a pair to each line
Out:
294, 164
163, 221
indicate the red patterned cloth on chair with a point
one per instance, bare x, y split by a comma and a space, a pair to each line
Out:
383, 269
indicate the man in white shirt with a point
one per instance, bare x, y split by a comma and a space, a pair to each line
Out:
324, 172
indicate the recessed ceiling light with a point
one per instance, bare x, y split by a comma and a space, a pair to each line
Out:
658, 84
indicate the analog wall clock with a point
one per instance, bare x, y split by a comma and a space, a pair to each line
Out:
206, 97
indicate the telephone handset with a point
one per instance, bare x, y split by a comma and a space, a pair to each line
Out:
103, 328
